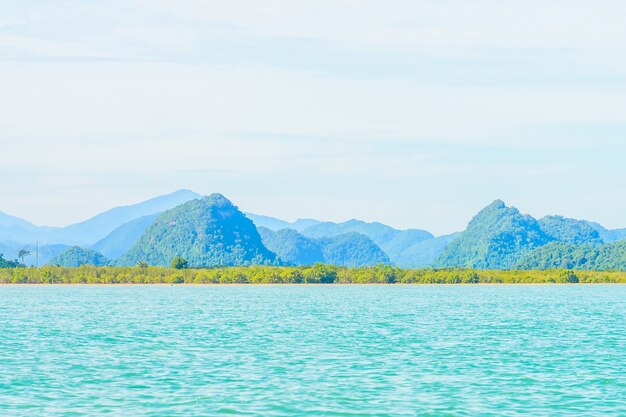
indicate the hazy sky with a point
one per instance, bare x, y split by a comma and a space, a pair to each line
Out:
413, 113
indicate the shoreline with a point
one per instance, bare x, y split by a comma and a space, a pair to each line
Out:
371, 284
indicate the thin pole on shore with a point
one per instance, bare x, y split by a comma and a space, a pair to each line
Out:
37, 255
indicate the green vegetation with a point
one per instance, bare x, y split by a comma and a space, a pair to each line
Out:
316, 274
292, 247
608, 257
573, 231
22, 254
7, 264
496, 238
177, 263
76, 256
352, 250
207, 232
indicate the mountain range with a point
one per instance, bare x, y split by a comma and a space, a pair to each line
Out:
212, 231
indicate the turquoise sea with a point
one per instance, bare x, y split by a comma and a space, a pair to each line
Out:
313, 350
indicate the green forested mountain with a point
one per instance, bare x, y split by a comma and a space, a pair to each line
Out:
76, 256
124, 237
610, 256
352, 249
348, 249
88, 232
496, 238
206, 232
292, 247
567, 230
393, 242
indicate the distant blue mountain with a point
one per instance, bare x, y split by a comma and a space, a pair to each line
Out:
274, 224
498, 237
424, 253
348, 249
76, 256
124, 237
392, 241
46, 252
607, 235
88, 232
7, 221
98, 227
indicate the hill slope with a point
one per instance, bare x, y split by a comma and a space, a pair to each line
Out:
607, 235
274, 224
352, 250
207, 232
567, 230
496, 238
88, 232
292, 247
76, 256
611, 256
119, 241
423, 253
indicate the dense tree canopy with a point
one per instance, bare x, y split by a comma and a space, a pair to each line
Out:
7, 264
608, 257
315, 274
76, 256
567, 230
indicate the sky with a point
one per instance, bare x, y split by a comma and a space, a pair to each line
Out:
413, 113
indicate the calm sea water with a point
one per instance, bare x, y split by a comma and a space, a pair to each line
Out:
313, 350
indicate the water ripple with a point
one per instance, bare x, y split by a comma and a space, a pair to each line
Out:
313, 351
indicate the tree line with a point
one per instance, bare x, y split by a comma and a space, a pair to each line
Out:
316, 274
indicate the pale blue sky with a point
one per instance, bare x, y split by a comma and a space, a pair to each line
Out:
413, 113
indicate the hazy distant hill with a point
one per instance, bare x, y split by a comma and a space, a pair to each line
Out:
610, 256
348, 249
274, 224
98, 227
496, 238
423, 253
46, 252
119, 241
207, 232
607, 235
5, 263
393, 242
88, 232
76, 256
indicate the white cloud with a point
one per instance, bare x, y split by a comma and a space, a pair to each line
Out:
396, 111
